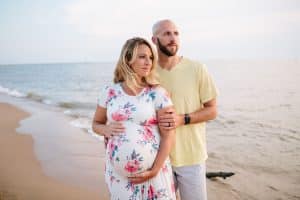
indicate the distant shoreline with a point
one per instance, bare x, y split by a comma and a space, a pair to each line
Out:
202, 59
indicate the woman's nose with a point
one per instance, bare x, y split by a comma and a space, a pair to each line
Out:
148, 61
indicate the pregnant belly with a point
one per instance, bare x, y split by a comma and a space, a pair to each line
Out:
134, 151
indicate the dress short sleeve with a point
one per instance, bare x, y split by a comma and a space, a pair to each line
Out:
103, 97
162, 98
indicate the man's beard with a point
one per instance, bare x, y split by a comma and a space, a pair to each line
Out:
164, 49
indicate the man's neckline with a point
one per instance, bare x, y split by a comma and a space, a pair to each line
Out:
174, 66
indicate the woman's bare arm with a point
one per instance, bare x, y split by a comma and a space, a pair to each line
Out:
102, 128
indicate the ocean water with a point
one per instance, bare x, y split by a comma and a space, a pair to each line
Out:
266, 92
258, 123
72, 87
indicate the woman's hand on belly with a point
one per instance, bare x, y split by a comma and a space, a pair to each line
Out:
113, 128
143, 176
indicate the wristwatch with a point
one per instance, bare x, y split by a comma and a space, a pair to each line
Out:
187, 119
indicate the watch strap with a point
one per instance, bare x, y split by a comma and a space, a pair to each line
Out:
187, 119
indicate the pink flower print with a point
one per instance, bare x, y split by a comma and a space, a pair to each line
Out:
130, 186
132, 166
173, 186
167, 94
113, 179
151, 192
148, 134
112, 150
143, 189
152, 121
120, 116
165, 169
111, 93
111, 146
147, 89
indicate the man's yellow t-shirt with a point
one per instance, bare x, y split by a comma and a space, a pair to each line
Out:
189, 85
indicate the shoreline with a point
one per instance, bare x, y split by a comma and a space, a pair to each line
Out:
21, 174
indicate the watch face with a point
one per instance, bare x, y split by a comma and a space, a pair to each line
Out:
187, 119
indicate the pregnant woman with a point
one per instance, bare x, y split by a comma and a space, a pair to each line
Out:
137, 166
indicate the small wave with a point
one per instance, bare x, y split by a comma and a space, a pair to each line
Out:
74, 105
86, 125
66, 105
11, 92
230, 122
83, 123
98, 137
35, 97
47, 101
224, 122
30, 95
38, 98
68, 112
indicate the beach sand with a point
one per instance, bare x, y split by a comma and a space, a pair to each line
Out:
43, 165
21, 175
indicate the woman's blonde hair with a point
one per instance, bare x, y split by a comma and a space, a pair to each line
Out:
123, 71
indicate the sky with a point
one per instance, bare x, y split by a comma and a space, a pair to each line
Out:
53, 31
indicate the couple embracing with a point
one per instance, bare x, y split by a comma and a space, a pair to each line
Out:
155, 128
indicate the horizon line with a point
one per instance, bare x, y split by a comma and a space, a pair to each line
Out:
95, 62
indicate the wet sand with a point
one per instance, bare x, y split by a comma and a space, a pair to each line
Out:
21, 175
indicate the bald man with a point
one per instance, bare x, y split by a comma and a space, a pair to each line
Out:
193, 93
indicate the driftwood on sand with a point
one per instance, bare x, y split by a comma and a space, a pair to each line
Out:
224, 175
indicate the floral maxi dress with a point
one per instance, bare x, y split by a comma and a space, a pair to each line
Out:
135, 150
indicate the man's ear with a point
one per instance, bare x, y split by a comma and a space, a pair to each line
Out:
154, 39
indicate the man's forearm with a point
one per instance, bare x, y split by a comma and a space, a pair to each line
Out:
168, 119
203, 115
208, 112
